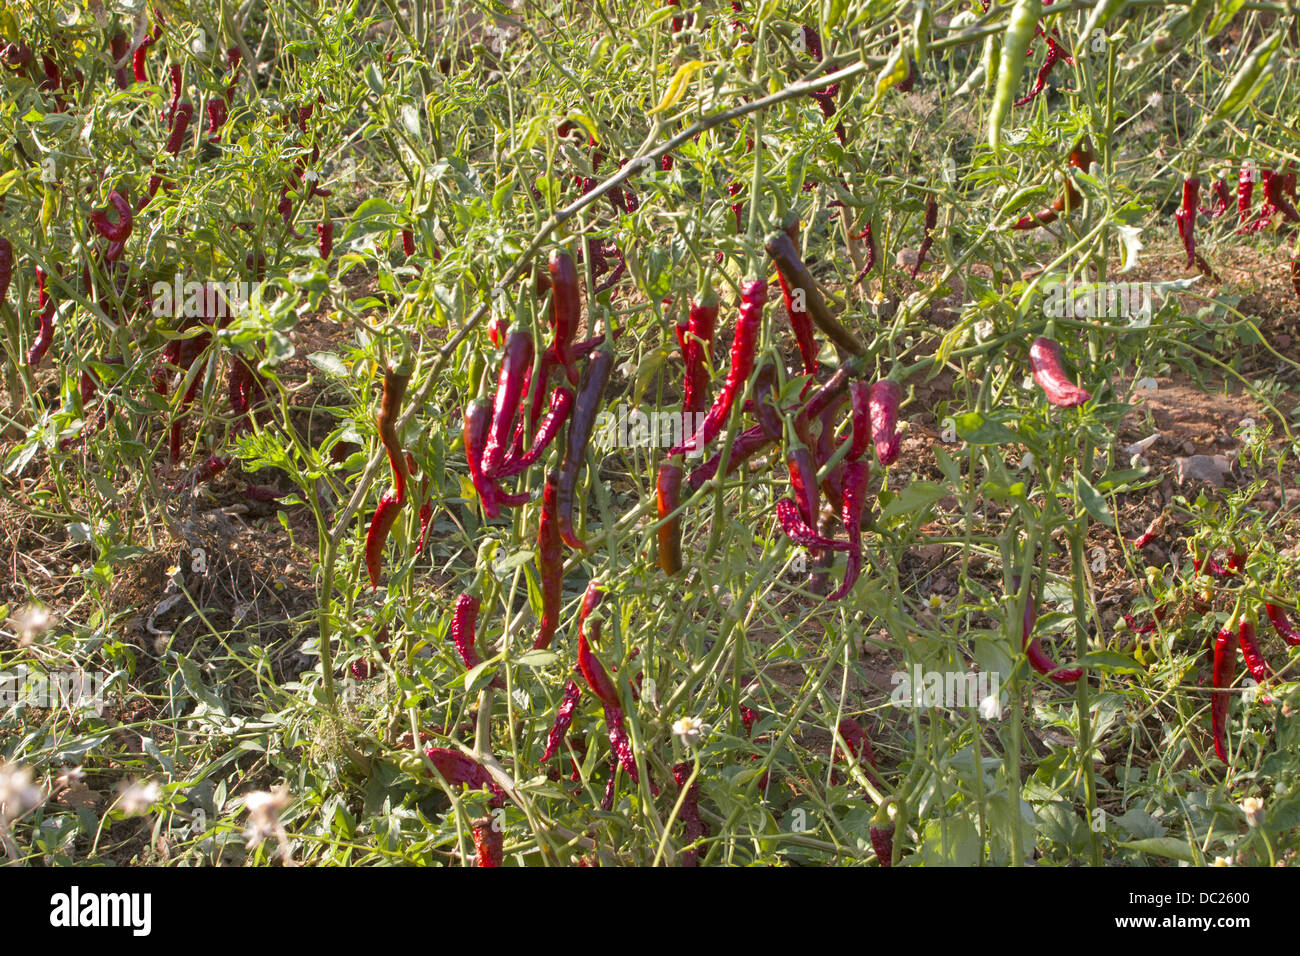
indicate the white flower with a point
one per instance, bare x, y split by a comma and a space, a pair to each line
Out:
138, 798
1222, 861
1253, 807
264, 812
17, 792
689, 729
1155, 101
990, 708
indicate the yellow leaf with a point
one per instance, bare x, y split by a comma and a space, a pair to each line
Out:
677, 86
467, 488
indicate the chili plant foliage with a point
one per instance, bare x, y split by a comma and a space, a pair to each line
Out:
817, 334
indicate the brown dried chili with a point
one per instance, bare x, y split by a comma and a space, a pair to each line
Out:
747, 444
6, 267
396, 380
45, 333
1225, 669
798, 314
582, 421
927, 239
783, 253
550, 564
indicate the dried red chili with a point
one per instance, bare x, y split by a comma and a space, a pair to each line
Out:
753, 296
396, 380
556, 416
668, 495
1282, 624
45, 333
565, 310
184, 113
856, 475
927, 239
517, 357
550, 564
1038, 658
693, 827
1225, 669
799, 531
799, 321
1045, 362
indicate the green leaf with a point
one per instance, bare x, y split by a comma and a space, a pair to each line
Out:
329, 363
1092, 500
1169, 847
976, 429
1110, 661
537, 659
917, 495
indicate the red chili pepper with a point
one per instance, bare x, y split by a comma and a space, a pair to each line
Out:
566, 310
1186, 217
211, 467
489, 842
692, 826
1038, 658
798, 531
859, 747
1081, 159
1225, 669
1222, 199
168, 116
217, 116
872, 253
115, 232
882, 841
478, 417
1255, 662
882, 402
800, 323
464, 621
668, 493
556, 415
737, 208
1275, 198
1055, 54
550, 564
747, 444
325, 232
510, 382
395, 381
764, 404
6, 267
563, 718
931, 220
118, 47
457, 769
1282, 624
753, 296
1045, 362
581, 423
863, 433
856, 475
697, 345
1245, 188
184, 113
803, 482
45, 334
